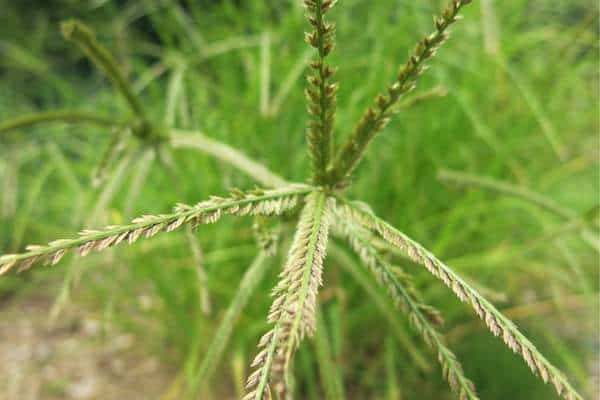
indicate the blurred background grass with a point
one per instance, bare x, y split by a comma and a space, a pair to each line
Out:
522, 107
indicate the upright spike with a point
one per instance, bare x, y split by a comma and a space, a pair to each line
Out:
375, 119
322, 90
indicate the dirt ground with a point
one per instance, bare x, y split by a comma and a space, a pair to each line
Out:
71, 358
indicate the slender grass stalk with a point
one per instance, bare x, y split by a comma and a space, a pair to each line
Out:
65, 116
138, 180
234, 157
198, 257
64, 294
62, 165
184, 110
84, 37
574, 220
288, 83
157, 70
552, 236
188, 25
248, 285
393, 391
169, 166
383, 303
10, 185
576, 268
26, 59
489, 25
224, 46
336, 314
535, 105
25, 211
305, 361
375, 119
238, 371
330, 377
539, 200
322, 90
100, 205
111, 188
574, 303
436, 92
497, 323
116, 145
265, 73
482, 130
174, 91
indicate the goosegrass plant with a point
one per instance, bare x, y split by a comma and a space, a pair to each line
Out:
321, 209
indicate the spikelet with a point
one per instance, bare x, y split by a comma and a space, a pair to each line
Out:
497, 323
376, 118
257, 202
322, 90
422, 316
293, 309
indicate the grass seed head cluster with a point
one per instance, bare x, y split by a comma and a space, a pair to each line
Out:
321, 208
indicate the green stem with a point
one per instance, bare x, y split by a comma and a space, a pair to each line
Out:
382, 302
67, 116
330, 375
436, 92
252, 277
224, 152
85, 37
507, 189
575, 221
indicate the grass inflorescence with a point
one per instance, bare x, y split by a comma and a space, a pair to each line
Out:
314, 212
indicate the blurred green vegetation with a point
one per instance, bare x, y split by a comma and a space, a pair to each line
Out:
522, 108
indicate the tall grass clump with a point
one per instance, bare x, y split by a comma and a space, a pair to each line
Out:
320, 211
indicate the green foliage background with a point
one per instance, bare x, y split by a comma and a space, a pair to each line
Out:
522, 107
